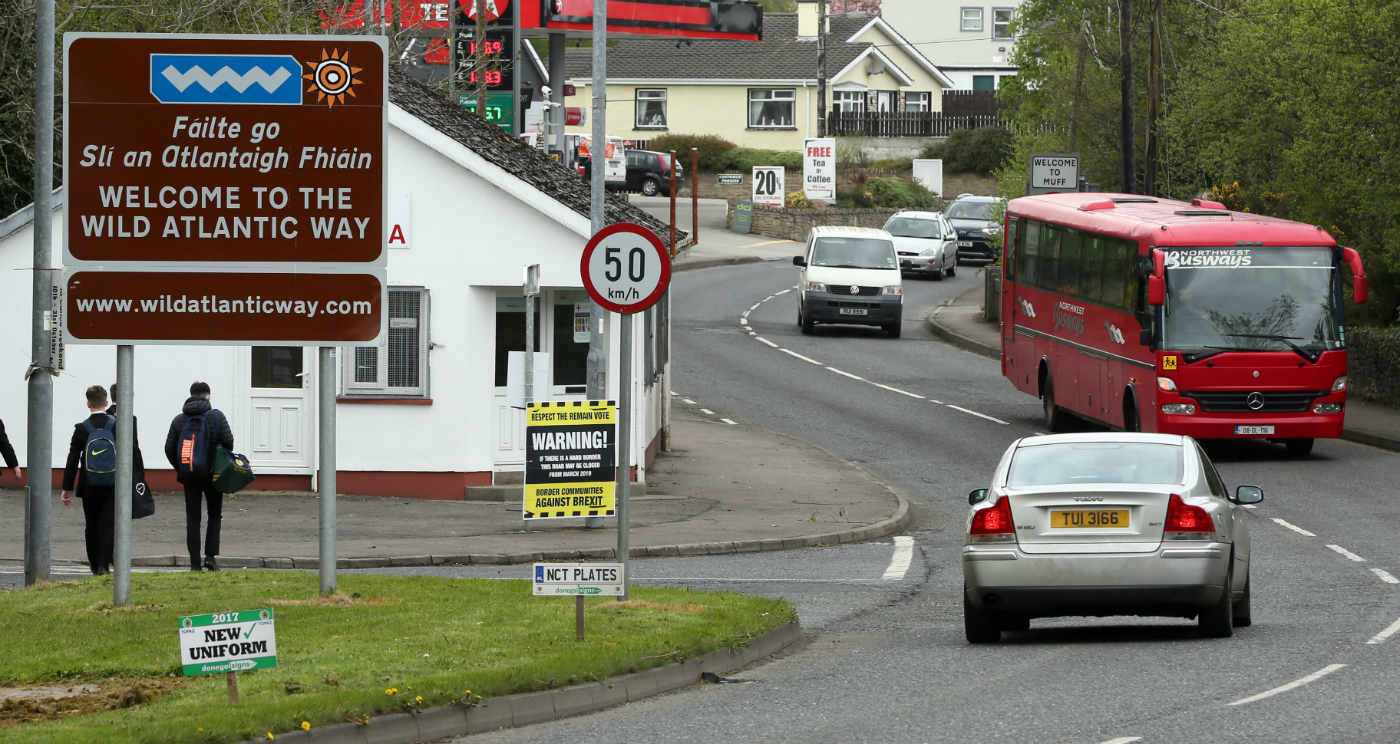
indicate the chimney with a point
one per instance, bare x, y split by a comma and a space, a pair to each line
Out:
807, 19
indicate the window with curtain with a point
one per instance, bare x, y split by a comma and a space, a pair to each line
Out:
651, 108
1001, 22
772, 108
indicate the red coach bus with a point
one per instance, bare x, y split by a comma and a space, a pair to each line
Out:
1156, 315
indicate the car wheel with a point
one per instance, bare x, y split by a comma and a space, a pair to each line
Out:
893, 329
953, 270
938, 275
650, 187
1242, 619
1298, 447
808, 325
1055, 417
981, 626
1217, 621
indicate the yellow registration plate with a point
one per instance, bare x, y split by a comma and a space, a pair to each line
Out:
1098, 518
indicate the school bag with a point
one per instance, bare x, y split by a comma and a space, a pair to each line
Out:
100, 454
196, 449
232, 473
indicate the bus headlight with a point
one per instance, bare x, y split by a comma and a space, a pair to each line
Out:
1339, 384
1328, 407
1186, 408
1166, 383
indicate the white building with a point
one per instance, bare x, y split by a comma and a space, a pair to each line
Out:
970, 42
423, 414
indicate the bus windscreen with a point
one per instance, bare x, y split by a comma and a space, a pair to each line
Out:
1252, 299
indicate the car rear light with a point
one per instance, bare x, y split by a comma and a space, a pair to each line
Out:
1327, 408
993, 524
1186, 408
1187, 522
1339, 384
1166, 383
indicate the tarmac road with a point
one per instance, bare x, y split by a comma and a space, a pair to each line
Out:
894, 667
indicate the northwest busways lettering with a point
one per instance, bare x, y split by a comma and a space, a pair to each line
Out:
569, 440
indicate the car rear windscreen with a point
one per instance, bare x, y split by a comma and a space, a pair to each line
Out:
1088, 463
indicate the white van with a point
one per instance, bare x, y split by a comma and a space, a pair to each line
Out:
850, 275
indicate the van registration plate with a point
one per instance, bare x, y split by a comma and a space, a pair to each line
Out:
854, 311
1254, 430
1097, 518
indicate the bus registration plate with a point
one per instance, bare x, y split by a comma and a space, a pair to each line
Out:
1254, 430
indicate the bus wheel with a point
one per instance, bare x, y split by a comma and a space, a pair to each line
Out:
1298, 447
1054, 415
1131, 422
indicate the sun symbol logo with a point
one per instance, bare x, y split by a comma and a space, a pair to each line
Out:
332, 77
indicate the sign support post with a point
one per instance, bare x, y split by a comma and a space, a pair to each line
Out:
597, 345
126, 416
326, 485
624, 449
232, 678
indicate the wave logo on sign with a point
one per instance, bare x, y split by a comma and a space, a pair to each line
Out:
225, 78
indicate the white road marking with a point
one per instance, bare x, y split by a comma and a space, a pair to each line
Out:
1315, 676
1384, 634
751, 333
982, 415
1350, 555
897, 390
1294, 527
688, 400
746, 313
766, 341
708, 411
799, 356
1123, 740
1251, 506
848, 374
731, 423
775, 294
1385, 576
743, 321
899, 563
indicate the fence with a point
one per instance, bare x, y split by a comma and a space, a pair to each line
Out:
904, 123
970, 103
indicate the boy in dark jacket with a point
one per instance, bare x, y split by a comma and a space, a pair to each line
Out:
219, 431
8, 452
99, 502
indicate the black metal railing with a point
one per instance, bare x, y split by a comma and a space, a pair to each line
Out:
904, 124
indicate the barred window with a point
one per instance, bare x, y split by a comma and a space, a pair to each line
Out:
398, 365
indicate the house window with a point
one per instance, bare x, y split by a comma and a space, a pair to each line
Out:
570, 358
772, 108
651, 108
849, 101
972, 19
510, 332
917, 102
1001, 22
984, 82
398, 365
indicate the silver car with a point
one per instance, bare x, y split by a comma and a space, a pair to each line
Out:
927, 240
1104, 524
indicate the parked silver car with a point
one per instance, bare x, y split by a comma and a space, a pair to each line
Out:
1103, 524
927, 240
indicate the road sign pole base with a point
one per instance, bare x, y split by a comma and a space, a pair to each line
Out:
578, 616
232, 678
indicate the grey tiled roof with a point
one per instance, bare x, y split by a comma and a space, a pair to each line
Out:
779, 56
520, 160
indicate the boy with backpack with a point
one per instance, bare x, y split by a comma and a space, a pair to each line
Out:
190, 449
93, 449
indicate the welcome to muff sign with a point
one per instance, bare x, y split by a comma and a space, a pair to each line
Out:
224, 189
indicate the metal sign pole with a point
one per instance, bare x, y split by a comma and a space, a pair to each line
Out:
597, 345
325, 393
126, 446
624, 451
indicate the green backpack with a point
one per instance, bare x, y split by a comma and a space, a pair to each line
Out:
231, 471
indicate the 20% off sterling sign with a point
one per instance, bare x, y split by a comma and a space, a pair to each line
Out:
626, 270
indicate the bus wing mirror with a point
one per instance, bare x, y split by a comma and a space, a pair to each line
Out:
1157, 283
1358, 275
1145, 337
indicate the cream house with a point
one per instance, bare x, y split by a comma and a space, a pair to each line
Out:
759, 94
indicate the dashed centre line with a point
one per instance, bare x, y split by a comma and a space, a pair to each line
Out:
707, 411
799, 356
1385, 576
1315, 676
1123, 740
728, 421
1293, 527
897, 390
1380, 637
1349, 555
982, 415
899, 562
848, 374
766, 341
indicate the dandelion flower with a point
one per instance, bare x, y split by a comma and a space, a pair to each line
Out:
305, 725
270, 737
418, 699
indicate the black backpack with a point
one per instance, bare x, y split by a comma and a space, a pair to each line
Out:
195, 449
100, 454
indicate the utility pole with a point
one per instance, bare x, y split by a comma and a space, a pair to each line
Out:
556, 95
479, 40
1129, 114
39, 437
597, 165
1154, 99
1078, 82
821, 68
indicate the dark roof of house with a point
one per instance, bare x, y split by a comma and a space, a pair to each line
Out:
512, 155
781, 55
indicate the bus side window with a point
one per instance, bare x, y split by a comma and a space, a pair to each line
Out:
1141, 268
1029, 269
1013, 241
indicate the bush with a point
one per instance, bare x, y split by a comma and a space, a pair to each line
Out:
980, 151
743, 159
894, 164
797, 200
898, 193
712, 147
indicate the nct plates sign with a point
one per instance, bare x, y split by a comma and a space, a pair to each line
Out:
227, 642
261, 158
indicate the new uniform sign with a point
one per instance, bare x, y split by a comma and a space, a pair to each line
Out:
570, 459
579, 579
227, 642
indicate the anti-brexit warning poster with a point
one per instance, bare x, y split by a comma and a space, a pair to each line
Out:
227, 642
570, 459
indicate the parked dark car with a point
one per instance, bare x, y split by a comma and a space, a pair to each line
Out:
974, 217
649, 173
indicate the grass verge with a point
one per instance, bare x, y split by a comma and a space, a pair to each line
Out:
386, 644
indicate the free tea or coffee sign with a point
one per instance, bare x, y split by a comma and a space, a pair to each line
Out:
227, 642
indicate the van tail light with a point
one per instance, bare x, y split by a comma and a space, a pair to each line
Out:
1186, 522
993, 524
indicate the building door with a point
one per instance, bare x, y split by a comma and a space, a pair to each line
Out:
508, 424
274, 429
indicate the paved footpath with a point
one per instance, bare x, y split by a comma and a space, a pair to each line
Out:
722, 489
961, 324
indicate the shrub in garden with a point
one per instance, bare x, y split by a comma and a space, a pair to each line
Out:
897, 193
744, 159
981, 151
711, 146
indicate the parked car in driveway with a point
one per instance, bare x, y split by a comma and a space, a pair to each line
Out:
1106, 524
927, 240
850, 275
975, 219
649, 173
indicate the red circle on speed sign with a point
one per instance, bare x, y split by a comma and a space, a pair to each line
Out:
625, 268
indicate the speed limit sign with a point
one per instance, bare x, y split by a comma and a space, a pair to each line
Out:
625, 268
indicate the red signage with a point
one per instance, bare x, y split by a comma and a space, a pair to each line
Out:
719, 19
573, 116
625, 268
